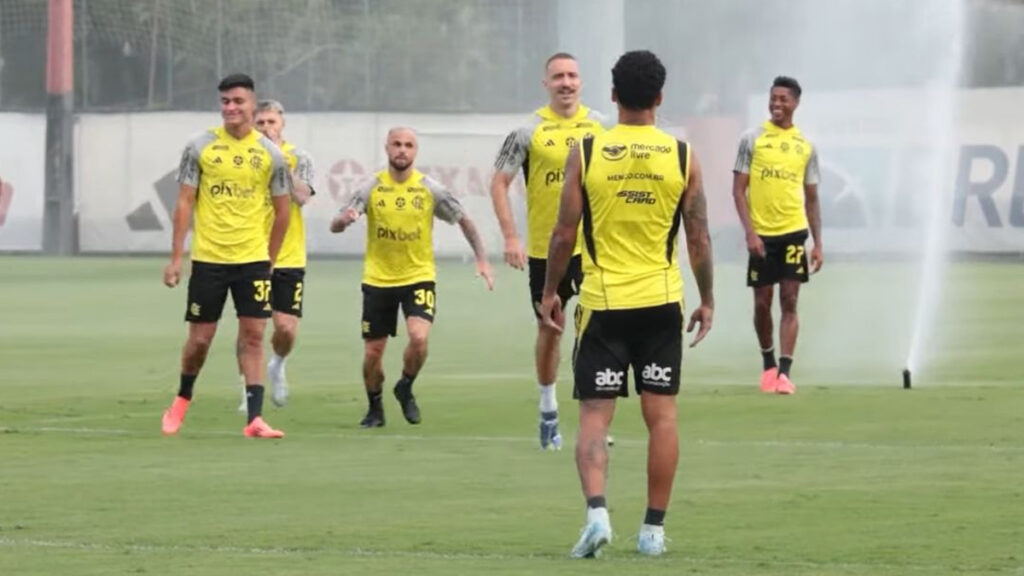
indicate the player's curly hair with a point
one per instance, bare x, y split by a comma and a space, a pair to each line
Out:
790, 83
637, 79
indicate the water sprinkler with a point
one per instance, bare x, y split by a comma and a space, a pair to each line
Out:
906, 378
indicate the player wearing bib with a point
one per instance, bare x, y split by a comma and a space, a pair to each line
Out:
400, 204
775, 188
288, 279
632, 187
539, 150
228, 176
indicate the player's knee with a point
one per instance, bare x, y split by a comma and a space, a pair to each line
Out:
374, 352
788, 303
762, 306
418, 342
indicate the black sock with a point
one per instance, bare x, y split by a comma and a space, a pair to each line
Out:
597, 502
406, 380
185, 388
768, 356
254, 400
785, 363
374, 399
654, 517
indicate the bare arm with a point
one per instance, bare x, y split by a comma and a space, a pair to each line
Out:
483, 267
563, 241
813, 208
698, 245
698, 238
182, 217
500, 185
510, 159
302, 192
740, 182
277, 232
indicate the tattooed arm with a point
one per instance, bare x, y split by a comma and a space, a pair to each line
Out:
698, 245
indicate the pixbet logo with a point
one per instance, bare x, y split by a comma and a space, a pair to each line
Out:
609, 378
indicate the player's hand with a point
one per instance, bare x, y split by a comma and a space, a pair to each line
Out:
344, 219
551, 314
755, 246
515, 256
701, 316
172, 274
816, 259
483, 269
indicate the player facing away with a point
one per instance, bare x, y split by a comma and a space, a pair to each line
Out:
539, 149
227, 176
775, 188
632, 187
288, 279
400, 204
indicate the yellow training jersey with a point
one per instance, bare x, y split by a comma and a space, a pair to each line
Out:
780, 162
293, 250
234, 180
540, 149
400, 227
633, 183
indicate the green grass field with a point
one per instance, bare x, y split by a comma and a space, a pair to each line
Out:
851, 476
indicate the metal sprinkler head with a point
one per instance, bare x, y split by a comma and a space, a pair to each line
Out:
906, 378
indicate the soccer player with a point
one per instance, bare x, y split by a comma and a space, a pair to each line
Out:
775, 188
539, 149
288, 280
401, 204
227, 177
632, 186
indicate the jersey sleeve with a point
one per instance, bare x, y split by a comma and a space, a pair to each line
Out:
600, 118
745, 154
361, 198
513, 152
280, 175
812, 175
446, 207
189, 168
304, 167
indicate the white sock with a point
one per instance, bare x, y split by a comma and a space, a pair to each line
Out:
276, 361
597, 515
548, 401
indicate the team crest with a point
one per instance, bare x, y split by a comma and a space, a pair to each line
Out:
417, 202
256, 162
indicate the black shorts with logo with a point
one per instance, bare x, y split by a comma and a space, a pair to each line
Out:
609, 342
380, 307
209, 284
784, 259
286, 290
567, 288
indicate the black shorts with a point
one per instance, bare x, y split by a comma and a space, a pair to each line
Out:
286, 290
567, 288
784, 259
380, 307
609, 342
209, 284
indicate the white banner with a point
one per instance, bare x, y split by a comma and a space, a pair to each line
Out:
126, 167
893, 160
22, 171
